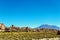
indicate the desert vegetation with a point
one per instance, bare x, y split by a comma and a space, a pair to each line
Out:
26, 35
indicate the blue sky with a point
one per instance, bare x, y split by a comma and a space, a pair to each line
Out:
30, 13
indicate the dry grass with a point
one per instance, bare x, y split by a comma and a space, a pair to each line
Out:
25, 35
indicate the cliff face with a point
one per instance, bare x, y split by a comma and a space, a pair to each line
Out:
2, 27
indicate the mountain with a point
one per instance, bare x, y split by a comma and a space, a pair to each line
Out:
49, 26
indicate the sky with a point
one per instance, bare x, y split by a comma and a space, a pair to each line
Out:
30, 13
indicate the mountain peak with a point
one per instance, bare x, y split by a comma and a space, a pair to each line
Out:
49, 26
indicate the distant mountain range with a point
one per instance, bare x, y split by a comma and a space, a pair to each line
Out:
49, 26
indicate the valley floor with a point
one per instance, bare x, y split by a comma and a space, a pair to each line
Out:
28, 36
